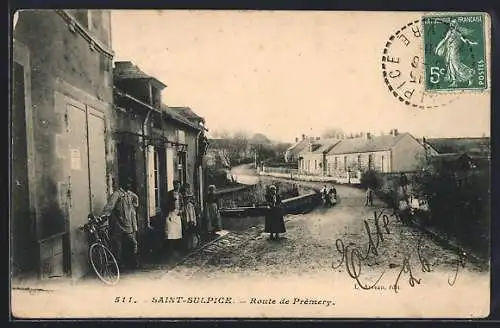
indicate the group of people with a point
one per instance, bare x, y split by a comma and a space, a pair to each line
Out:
329, 196
181, 227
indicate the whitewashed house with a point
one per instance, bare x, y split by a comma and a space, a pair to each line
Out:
387, 154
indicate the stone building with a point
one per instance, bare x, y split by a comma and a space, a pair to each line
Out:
156, 144
62, 151
397, 152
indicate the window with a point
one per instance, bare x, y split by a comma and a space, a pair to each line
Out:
382, 164
345, 163
336, 163
181, 167
181, 137
359, 162
155, 97
370, 161
315, 164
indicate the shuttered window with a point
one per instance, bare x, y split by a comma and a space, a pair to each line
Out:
170, 168
151, 181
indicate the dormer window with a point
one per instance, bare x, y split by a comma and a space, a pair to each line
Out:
155, 97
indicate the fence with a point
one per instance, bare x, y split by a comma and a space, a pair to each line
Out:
318, 176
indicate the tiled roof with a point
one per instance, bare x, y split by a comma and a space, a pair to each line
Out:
124, 70
298, 147
188, 113
326, 145
362, 145
178, 116
471, 146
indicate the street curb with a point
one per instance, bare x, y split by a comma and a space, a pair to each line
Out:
197, 250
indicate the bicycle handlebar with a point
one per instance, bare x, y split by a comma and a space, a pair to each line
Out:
94, 220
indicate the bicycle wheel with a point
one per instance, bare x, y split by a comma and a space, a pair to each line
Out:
104, 264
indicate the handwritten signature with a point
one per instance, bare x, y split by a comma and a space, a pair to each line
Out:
352, 255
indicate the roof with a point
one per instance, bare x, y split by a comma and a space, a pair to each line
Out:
176, 115
298, 147
126, 70
363, 145
471, 146
164, 109
326, 145
457, 160
188, 113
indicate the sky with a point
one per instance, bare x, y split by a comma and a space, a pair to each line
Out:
284, 74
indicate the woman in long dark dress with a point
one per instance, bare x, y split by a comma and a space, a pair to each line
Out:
275, 224
212, 214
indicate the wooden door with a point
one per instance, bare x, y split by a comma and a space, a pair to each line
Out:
78, 185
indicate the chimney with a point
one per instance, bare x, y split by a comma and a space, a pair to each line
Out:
296, 139
368, 135
396, 132
318, 138
391, 133
123, 64
303, 137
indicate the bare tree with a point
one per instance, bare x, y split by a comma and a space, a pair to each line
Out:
220, 134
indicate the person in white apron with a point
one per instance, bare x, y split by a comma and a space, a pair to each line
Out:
173, 226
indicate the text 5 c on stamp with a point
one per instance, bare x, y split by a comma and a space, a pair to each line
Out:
454, 52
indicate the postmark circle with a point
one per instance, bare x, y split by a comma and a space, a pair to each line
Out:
403, 69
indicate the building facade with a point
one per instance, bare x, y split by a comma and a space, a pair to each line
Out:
386, 154
292, 153
313, 160
62, 153
348, 158
156, 144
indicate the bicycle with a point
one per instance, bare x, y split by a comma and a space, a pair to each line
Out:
101, 258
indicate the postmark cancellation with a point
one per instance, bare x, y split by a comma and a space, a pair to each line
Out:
428, 60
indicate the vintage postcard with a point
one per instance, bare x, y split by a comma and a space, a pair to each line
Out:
250, 164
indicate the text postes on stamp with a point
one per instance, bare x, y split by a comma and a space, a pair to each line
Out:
455, 52
403, 69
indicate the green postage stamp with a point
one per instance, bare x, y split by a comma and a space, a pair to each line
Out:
454, 48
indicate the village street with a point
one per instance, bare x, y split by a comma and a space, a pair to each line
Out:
326, 243
310, 244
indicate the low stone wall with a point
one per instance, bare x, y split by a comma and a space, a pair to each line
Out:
254, 195
311, 178
237, 219
302, 204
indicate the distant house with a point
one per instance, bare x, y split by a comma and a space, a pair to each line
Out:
313, 159
389, 153
459, 152
470, 146
292, 154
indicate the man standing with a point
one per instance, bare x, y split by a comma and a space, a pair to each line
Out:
369, 197
120, 210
